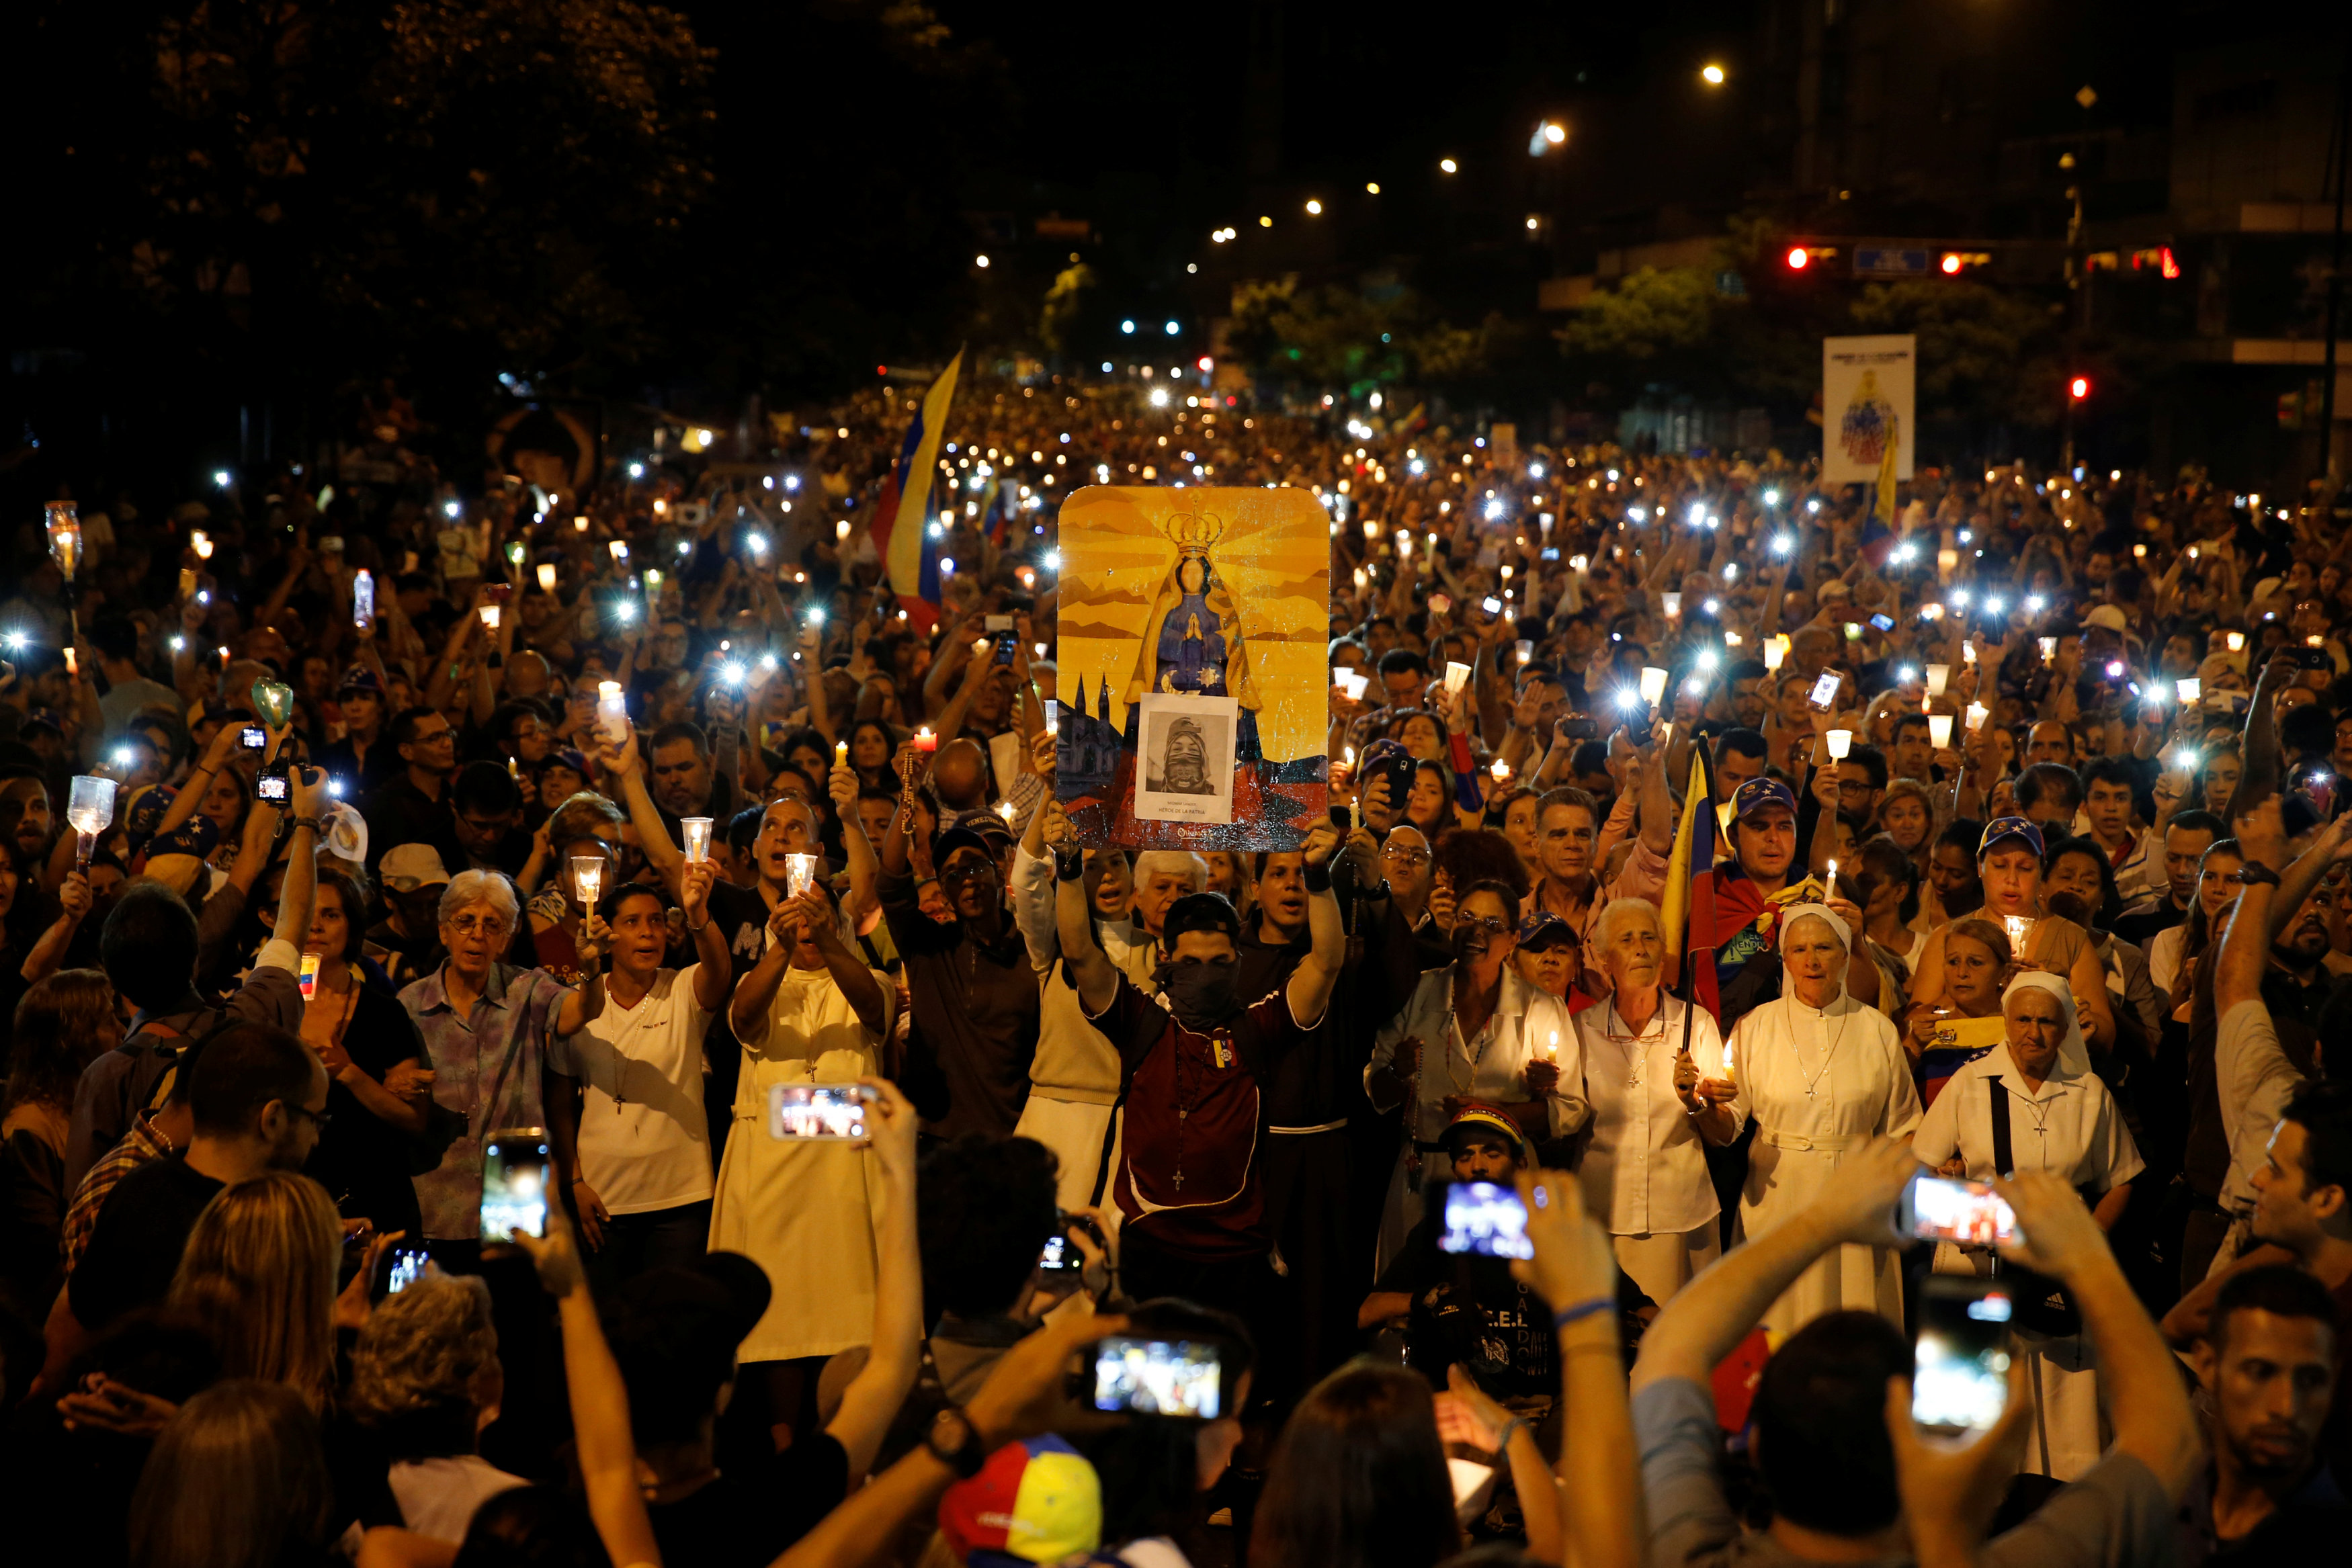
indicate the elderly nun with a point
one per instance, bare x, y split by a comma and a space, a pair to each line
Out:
1821, 1073
2035, 1097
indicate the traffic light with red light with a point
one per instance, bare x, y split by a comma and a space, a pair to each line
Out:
2079, 388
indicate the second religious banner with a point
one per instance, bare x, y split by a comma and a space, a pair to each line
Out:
1867, 392
1192, 674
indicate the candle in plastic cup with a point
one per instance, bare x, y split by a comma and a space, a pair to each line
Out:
1978, 713
1947, 559
201, 542
2049, 646
1939, 731
800, 875
1653, 683
1776, 649
1456, 677
925, 741
611, 712
1968, 652
490, 614
1501, 770
65, 536
547, 577
620, 548
2017, 925
587, 879
1053, 716
1841, 742
2189, 688
91, 809
1526, 649
1938, 677
1673, 605
697, 838
2236, 641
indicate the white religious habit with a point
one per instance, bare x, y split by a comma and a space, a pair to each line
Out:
1819, 1082
2071, 1127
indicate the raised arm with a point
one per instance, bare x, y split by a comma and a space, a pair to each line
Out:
600, 1400
2245, 953
625, 762
865, 871
306, 790
874, 1395
714, 967
1311, 983
1096, 976
1715, 1311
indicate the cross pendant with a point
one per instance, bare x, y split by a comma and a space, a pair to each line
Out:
1180, 1181
1181, 1113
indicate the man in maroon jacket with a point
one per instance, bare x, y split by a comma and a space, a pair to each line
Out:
1193, 1060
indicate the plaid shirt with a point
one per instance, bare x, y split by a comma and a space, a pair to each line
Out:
138, 1146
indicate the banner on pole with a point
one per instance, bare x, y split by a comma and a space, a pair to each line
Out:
1193, 678
1868, 402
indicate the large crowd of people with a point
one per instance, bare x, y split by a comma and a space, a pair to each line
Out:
584, 1033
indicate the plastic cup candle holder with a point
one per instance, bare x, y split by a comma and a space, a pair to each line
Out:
91, 809
1938, 677
1978, 713
1776, 650
2189, 688
587, 879
64, 521
1456, 677
1653, 683
697, 838
1840, 742
800, 875
1939, 731
1673, 603
547, 577
1053, 716
611, 712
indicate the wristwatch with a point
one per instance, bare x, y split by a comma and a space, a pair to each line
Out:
2253, 874
955, 1442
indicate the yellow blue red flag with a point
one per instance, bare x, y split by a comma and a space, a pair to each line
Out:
902, 536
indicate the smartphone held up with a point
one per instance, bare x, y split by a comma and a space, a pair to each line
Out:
1959, 1356
514, 1183
819, 1112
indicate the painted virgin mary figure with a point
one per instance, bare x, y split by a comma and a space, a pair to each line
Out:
1192, 642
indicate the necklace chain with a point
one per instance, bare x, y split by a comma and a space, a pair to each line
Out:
1813, 1079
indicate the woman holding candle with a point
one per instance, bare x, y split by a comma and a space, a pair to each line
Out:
1472, 1030
1820, 1073
2009, 866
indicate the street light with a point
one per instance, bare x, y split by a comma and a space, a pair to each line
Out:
1314, 209
1711, 74
1448, 165
1554, 132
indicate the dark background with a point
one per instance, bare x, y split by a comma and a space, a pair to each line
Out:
233, 219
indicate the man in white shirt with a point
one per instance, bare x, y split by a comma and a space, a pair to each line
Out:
624, 1100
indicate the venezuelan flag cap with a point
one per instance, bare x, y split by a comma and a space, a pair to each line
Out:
1037, 1502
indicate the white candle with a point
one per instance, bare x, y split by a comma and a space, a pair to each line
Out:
1939, 731
1978, 713
1841, 741
1938, 677
697, 838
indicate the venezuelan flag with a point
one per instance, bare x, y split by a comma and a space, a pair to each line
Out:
902, 536
1688, 921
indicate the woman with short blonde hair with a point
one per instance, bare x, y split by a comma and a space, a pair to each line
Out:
259, 1274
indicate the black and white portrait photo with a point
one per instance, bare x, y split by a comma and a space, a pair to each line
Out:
1185, 759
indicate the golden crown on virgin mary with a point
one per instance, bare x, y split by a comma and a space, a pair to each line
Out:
1193, 643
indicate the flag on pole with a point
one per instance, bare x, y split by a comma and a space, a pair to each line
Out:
1687, 920
996, 522
901, 529
1877, 528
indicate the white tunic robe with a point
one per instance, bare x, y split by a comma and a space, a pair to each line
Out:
1819, 1082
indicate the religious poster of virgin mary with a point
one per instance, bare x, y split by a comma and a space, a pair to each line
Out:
1193, 625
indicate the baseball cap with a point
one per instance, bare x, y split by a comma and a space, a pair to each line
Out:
1758, 793
2001, 827
1492, 1120
562, 756
361, 679
40, 718
980, 829
2110, 616
407, 867
1033, 1501
1543, 928
1200, 912
198, 836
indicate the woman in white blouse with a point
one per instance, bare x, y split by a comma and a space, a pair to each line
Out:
1472, 1031
1821, 1073
2060, 1119
1649, 1067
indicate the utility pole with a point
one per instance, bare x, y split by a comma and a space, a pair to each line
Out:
2078, 271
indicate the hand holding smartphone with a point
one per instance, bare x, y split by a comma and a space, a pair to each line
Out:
1967, 1212
1959, 1356
1483, 1220
1180, 1378
514, 1182
833, 1113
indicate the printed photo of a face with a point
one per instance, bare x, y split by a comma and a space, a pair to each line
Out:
1188, 758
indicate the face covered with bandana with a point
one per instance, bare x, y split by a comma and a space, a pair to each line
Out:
1200, 969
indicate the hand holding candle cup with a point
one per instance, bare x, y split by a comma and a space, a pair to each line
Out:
91, 809
611, 712
800, 875
587, 879
697, 838
1977, 715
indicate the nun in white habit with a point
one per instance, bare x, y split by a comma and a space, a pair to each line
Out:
1821, 1073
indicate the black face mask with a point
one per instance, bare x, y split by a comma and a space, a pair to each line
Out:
1200, 995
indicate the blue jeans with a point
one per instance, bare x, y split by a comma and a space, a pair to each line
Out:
657, 1238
